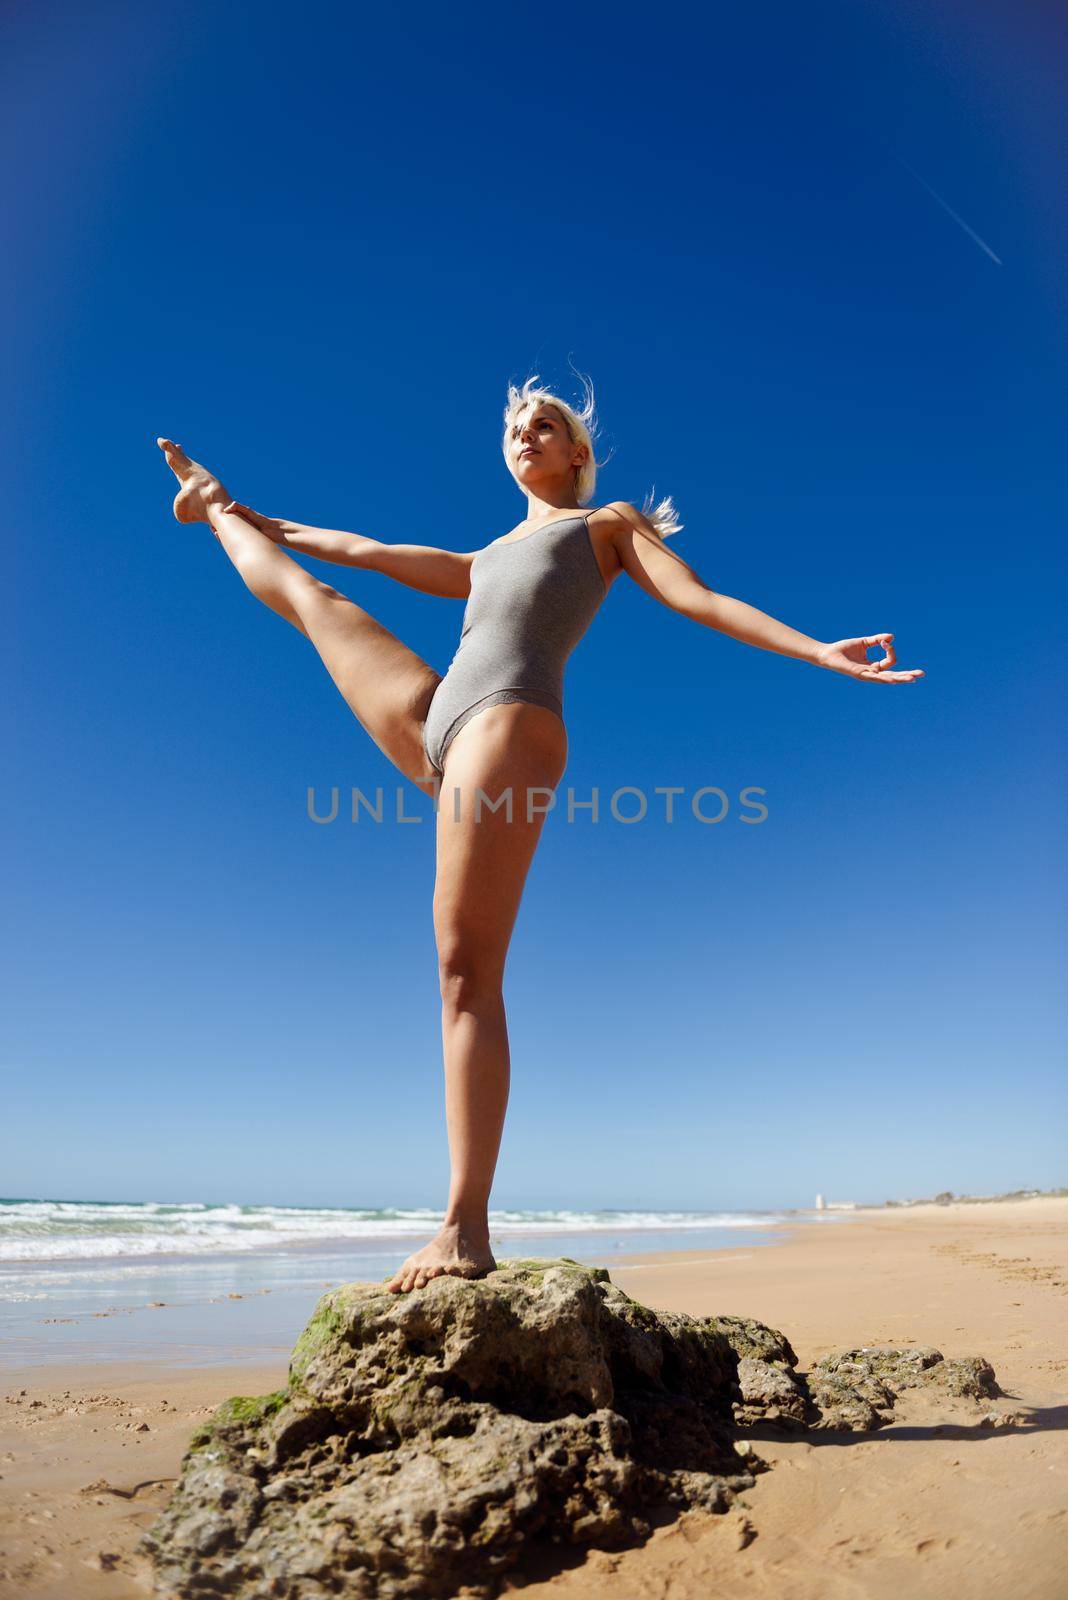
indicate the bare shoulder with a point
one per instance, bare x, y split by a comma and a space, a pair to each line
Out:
619, 516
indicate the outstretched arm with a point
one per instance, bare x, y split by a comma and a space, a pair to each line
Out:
669, 579
420, 566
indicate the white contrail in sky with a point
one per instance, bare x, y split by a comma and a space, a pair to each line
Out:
935, 196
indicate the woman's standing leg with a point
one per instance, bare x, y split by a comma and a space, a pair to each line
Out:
483, 860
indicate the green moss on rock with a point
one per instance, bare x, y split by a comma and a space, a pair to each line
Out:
325, 1324
241, 1410
250, 1409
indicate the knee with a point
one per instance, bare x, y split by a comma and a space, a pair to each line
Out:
470, 978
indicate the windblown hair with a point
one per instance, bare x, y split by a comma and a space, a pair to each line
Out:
582, 427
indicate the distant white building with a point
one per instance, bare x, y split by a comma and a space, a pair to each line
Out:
821, 1204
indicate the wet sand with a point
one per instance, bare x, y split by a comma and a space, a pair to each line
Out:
938, 1504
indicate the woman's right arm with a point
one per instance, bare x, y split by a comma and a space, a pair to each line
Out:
420, 566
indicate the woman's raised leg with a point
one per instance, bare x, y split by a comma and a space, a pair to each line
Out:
385, 684
483, 860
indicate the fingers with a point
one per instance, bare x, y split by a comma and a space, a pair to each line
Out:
239, 509
885, 642
882, 671
873, 675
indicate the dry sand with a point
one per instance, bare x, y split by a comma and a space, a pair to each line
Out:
936, 1505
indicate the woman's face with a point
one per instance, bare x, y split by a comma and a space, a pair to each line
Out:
541, 453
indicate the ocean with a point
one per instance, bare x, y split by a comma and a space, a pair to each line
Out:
90, 1280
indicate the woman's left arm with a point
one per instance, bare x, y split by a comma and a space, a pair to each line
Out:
669, 579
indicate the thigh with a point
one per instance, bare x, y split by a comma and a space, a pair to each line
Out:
386, 686
483, 857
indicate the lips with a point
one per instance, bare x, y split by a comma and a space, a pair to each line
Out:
528, 452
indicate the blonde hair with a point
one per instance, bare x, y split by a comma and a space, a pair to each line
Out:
581, 426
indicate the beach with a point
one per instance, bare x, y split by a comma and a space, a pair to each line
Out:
952, 1498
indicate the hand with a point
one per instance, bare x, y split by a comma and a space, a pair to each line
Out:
851, 657
275, 528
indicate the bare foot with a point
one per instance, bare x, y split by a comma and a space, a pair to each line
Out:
199, 487
456, 1252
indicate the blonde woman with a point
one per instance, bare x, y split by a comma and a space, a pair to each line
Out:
493, 723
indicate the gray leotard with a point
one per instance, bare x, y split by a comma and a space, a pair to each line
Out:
531, 601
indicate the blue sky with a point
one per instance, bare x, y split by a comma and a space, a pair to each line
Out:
314, 244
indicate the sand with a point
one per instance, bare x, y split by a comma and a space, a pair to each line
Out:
935, 1505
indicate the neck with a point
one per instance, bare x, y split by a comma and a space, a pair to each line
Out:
540, 506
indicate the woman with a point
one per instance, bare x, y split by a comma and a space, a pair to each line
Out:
493, 723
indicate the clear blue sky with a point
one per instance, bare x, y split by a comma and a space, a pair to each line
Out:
313, 243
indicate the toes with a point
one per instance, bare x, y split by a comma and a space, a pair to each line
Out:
400, 1281
177, 459
416, 1275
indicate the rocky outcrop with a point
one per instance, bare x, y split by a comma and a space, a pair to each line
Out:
424, 1440
872, 1377
852, 1391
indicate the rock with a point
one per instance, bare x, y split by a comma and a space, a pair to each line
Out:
1002, 1419
853, 1390
970, 1375
856, 1389
894, 1367
769, 1394
844, 1403
425, 1439
771, 1391
750, 1338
